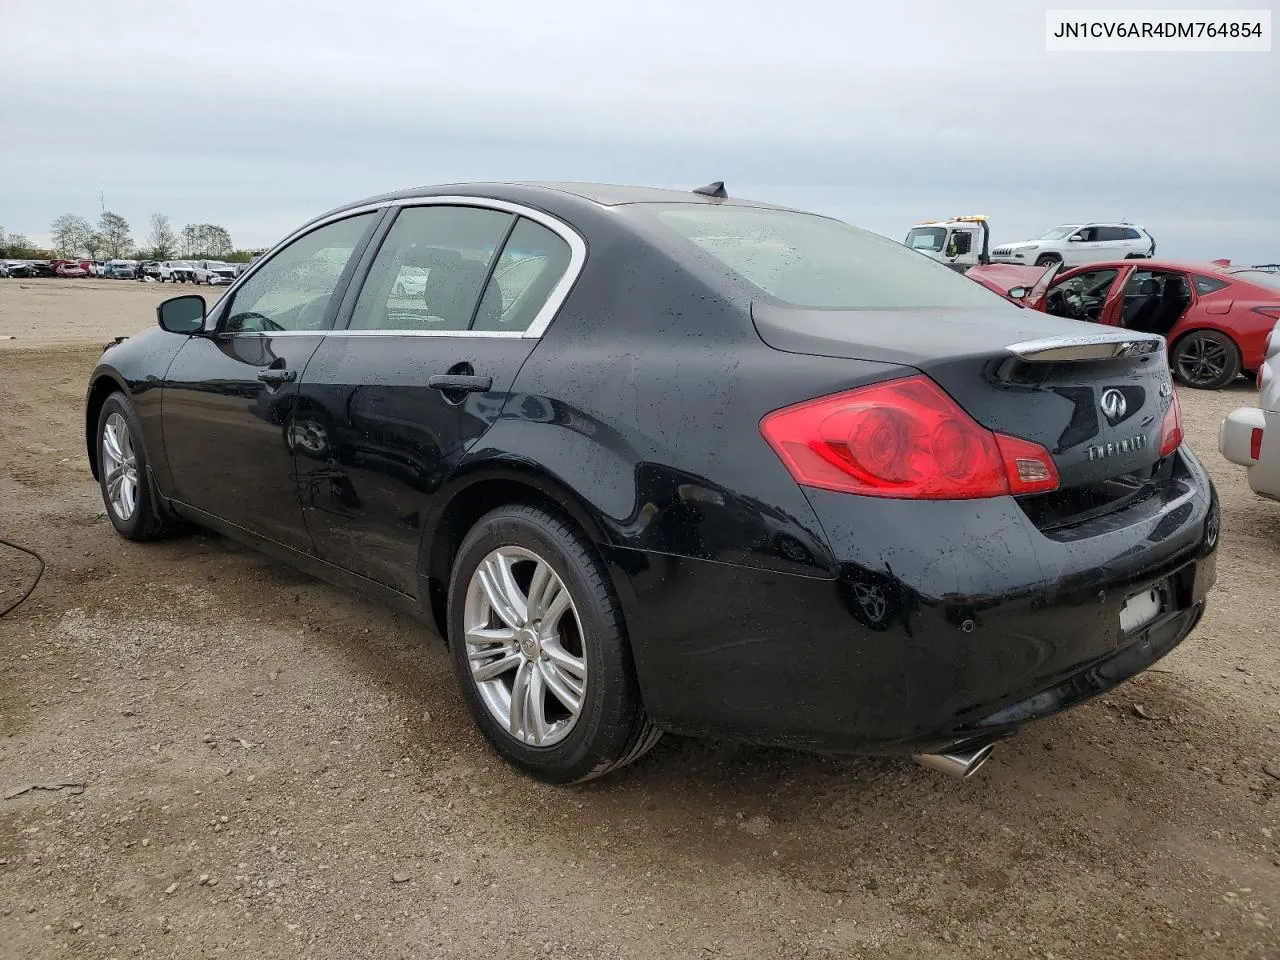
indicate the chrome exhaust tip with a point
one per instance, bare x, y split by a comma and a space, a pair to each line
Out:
960, 764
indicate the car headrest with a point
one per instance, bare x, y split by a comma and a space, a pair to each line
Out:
1148, 287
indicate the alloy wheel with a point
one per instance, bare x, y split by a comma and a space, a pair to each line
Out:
1202, 360
120, 466
525, 646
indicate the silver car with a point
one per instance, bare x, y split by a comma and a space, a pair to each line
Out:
1250, 436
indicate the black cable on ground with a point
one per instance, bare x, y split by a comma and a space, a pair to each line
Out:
35, 583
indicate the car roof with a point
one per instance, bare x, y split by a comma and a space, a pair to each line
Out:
555, 196
1187, 266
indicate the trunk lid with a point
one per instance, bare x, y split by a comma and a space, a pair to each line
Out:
1094, 397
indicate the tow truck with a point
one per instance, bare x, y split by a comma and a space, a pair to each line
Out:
960, 243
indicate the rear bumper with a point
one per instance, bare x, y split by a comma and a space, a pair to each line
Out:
1235, 442
948, 622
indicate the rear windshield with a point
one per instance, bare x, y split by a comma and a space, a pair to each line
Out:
1263, 278
811, 261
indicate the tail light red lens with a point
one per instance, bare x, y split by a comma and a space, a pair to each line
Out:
906, 439
1171, 428
1255, 443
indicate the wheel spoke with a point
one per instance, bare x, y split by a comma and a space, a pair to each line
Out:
520, 700
502, 592
543, 579
505, 662
504, 636
535, 705
555, 608
111, 444
561, 685
575, 667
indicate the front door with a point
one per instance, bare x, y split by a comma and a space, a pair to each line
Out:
426, 362
229, 395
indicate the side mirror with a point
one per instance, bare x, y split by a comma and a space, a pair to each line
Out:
183, 315
1019, 292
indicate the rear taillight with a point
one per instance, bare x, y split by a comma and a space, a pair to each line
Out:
1272, 312
1255, 444
906, 439
1171, 428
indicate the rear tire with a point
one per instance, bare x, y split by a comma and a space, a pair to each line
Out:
529, 563
123, 477
1205, 360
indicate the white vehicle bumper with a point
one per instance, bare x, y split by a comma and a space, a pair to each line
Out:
1236, 444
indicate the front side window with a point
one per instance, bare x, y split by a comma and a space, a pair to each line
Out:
1082, 297
430, 269
808, 260
928, 239
961, 243
293, 290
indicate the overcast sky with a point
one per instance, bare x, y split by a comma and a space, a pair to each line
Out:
258, 115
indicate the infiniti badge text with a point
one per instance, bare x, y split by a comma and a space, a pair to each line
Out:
1129, 445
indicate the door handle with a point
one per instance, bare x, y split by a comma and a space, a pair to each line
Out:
276, 375
456, 383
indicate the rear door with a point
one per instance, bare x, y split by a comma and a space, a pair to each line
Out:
229, 395
452, 304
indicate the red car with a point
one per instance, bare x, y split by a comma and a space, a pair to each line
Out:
70, 268
1216, 317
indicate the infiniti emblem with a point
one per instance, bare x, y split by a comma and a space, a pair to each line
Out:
1114, 405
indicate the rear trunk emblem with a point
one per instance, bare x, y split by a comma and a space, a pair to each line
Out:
1113, 404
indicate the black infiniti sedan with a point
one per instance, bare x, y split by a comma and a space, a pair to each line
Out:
662, 461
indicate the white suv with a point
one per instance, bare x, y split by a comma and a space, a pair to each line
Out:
1076, 243
1250, 436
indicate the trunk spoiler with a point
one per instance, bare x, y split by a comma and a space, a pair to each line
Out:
1092, 346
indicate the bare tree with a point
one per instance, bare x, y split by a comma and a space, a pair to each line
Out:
205, 240
161, 241
70, 235
114, 229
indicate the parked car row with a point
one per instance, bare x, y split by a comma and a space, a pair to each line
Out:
212, 272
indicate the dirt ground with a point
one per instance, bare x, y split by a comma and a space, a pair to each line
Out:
273, 768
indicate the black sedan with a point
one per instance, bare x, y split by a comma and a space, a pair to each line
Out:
662, 461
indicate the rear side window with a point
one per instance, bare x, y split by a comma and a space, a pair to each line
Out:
811, 261
1208, 284
1131, 234
532, 263
1110, 233
430, 269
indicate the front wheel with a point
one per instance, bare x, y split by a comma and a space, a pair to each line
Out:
1205, 360
540, 650
122, 474
1047, 259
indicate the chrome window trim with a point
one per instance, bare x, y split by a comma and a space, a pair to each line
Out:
541, 321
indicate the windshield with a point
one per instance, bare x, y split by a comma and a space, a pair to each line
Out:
812, 261
1263, 278
929, 239
1057, 233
